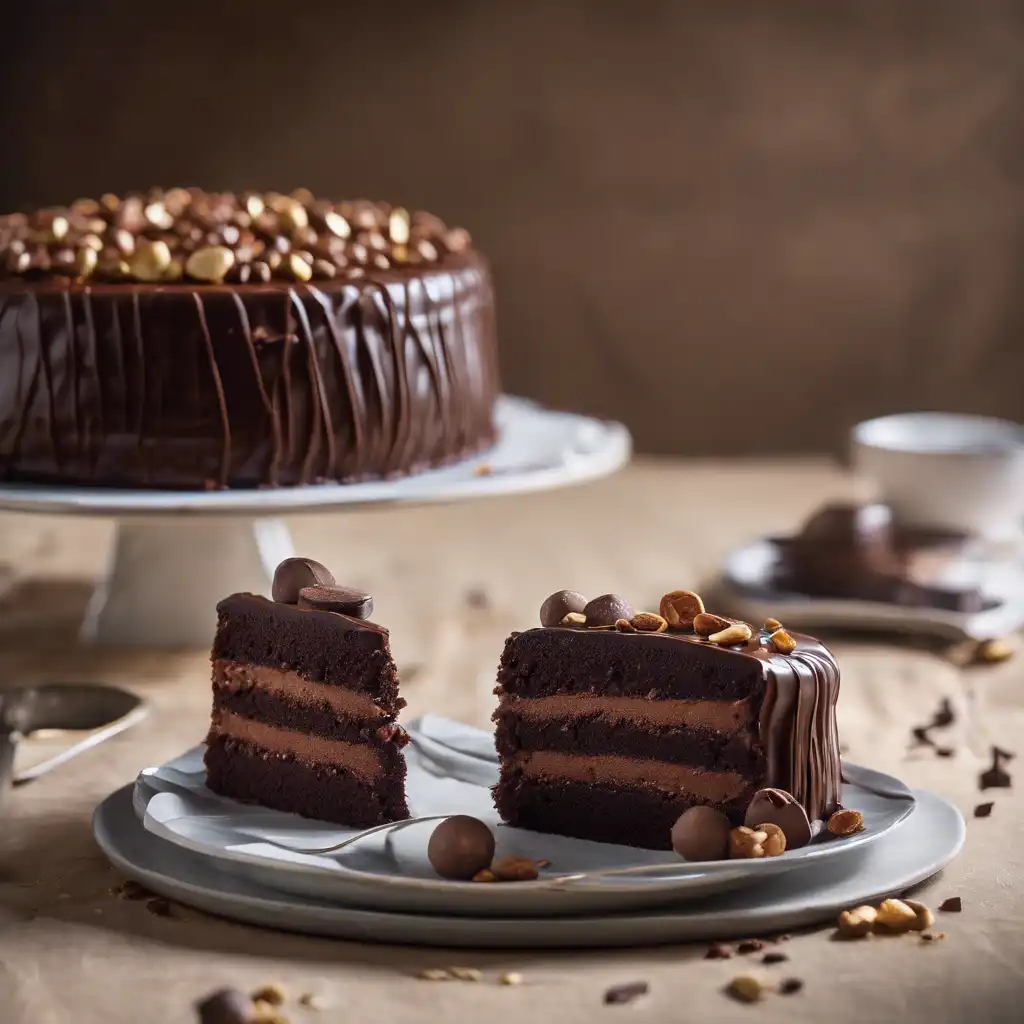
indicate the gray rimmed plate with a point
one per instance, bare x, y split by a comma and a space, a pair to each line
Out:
921, 845
451, 767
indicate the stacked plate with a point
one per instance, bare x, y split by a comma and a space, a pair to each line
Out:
171, 834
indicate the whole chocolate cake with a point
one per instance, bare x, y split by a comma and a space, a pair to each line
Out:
190, 339
305, 695
611, 725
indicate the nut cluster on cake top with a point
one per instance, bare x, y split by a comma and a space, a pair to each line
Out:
680, 611
188, 234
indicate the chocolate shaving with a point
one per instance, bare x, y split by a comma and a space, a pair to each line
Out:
983, 810
774, 958
626, 993
945, 716
953, 905
996, 777
790, 986
945, 752
750, 946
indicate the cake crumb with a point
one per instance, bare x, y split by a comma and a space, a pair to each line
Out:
626, 993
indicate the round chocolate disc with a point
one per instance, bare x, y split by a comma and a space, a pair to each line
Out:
607, 609
344, 600
701, 833
295, 573
460, 847
777, 807
559, 604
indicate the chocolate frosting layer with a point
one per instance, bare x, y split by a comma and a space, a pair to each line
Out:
796, 693
716, 715
212, 386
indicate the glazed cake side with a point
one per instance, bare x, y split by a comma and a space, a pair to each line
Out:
304, 706
356, 357
611, 735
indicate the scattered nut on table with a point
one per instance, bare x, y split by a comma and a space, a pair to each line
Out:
858, 922
894, 915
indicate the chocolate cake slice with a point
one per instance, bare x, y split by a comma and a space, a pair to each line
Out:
610, 732
305, 695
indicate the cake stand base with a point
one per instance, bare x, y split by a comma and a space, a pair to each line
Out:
178, 553
167, 574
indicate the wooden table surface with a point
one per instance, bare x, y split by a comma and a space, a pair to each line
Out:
451, 583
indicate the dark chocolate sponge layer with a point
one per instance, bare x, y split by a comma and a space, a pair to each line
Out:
633, 816
540, 662
322, 646
197, 386
244, 772
273, 709
712, 750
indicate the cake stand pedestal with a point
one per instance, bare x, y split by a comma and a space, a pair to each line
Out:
176, 554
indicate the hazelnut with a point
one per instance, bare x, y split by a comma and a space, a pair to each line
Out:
648, 622
679, 607
775, 844
771, 625
514, 869
150, 260
484, 876
737, 633
337, 225
290, 212
923, 917
704, 624
211, 263
858, 922
895, 916
993, 651
746, 843
746, 988
398, 226
574, 619
783, 642
625, 626
846, 822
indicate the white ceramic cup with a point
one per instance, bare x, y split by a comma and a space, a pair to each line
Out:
946, 471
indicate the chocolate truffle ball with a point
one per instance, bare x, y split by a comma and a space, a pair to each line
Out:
559, 604
295, 573
777, 807
460, 847
701, 833
607, 609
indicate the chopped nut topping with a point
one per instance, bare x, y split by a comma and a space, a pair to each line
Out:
679, 607
624, 626
783, 642
273, 994
648, 622
210, 264
771, 625
746, 843
846, 822
993, 651
775, 844
923, 917
895, 915
858, 922
574, 619
746, 988
514, 869
705, 624
737, 633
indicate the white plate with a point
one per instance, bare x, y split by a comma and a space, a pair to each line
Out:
746, 589
922, 845
451, 767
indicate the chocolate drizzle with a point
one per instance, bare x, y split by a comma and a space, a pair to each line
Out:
191, 386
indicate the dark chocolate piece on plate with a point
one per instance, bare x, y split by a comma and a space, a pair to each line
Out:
460, 846
701, 833
777, 807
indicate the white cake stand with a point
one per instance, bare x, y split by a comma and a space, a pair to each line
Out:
178, 553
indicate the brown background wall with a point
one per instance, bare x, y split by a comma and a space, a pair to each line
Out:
737, 226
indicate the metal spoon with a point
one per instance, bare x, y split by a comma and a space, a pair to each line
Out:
96, 710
